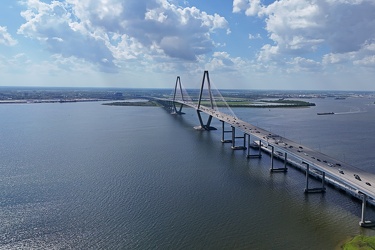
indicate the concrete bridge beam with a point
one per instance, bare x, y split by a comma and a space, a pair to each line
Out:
234, 137
273, 169
313, 190
223, 132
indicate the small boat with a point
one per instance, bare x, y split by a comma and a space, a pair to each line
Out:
326, 113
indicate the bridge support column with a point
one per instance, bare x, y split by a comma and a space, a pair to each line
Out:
170, 107
178, 85
223, 140
363, 222
177, 112
234, 137
284, 169
285, 161
272, 153
203, 126
313, 190
248, 155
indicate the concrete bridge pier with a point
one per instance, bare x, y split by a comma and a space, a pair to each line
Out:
248, 155
234, 137
363, 222
283, 169
313, 190
166, 104
179, 111
223, 140
169, 107
203, 126
285, 161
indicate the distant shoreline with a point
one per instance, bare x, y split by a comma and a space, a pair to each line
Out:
137, 104
232, 104
49, 101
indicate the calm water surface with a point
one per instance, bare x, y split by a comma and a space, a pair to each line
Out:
88, 176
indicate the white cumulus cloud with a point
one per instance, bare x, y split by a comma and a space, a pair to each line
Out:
6, 38
342, 28
107, 33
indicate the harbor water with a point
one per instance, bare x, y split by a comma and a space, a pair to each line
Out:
90, 176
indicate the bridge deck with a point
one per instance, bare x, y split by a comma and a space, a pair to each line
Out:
333, 168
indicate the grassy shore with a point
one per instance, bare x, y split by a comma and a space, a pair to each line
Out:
360, 242
272, 104
145, 104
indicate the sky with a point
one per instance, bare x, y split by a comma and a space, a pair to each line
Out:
244, 44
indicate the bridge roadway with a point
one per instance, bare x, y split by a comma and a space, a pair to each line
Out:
333, 168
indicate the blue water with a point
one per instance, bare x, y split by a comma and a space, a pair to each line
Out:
88, 176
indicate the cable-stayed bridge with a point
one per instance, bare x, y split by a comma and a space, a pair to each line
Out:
352, 180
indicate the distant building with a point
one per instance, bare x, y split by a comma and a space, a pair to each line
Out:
119, 95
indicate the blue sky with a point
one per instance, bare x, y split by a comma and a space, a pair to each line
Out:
244, 44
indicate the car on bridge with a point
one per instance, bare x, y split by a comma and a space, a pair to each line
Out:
357, 177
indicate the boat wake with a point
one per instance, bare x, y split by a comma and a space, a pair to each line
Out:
350, 112
353, 110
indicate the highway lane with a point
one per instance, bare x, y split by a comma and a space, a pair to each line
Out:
336, 169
